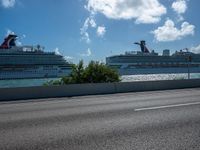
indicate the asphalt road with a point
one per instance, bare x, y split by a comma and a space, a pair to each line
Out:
142, 121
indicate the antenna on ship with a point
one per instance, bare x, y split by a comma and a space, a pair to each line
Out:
143, 47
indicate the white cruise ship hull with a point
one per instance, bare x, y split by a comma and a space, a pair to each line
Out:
31, 74
138, 71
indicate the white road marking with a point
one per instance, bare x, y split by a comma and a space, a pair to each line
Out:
166, 106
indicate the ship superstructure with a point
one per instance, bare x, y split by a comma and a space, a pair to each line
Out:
20, 62
146, 62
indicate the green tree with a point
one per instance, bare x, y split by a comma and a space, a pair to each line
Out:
95, 72
77, 74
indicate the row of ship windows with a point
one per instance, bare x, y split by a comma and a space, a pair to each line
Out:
27, 61
163, 63
32, 71
36, 56
153, 59
31, 56
125, 61
8, 73
36, 68
31, 59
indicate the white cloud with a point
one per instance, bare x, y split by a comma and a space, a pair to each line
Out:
57, 52
85, 36
8, 3
144, 11
68, 58
87, 54
9, 32
169, 32
195, 49
101, 30
89, 22
92, 23
179, 6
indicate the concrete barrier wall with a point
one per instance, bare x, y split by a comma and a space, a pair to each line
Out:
22, 93
156, 85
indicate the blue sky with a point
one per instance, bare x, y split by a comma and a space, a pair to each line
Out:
95, 29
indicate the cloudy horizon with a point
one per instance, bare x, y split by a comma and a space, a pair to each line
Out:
95, 29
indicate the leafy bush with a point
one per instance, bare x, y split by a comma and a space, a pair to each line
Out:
95, 72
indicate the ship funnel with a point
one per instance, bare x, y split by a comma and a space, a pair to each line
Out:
143, 47
9, 41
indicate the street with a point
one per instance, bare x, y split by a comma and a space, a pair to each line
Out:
154, 120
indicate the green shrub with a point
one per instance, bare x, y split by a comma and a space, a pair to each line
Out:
95, 72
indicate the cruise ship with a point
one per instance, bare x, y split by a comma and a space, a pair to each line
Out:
23, 62
146, 62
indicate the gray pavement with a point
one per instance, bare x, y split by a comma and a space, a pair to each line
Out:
142, 121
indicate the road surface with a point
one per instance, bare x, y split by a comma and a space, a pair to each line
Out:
132, 121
